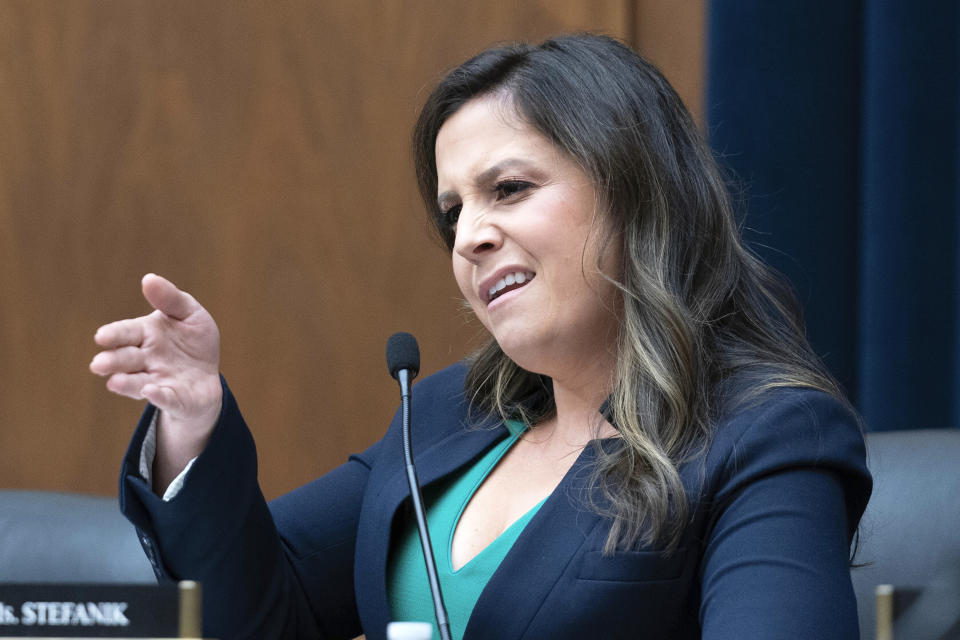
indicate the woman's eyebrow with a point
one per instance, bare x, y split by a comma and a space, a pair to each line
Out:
485, 176
507, 164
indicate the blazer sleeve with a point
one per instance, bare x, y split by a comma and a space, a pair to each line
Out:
278, 571
791, 484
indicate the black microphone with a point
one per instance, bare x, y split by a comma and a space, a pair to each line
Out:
403, 361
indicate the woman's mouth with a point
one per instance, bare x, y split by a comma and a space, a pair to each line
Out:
508, 283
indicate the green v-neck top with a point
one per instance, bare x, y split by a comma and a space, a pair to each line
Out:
407, 587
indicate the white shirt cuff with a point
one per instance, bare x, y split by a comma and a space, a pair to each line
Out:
147, 454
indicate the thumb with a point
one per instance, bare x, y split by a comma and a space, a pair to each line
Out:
166, 298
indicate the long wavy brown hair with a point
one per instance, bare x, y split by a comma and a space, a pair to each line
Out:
698, 309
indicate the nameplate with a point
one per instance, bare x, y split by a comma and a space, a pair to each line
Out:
89, 610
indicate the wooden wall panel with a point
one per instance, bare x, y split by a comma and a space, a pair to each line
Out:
257, 154
671, 34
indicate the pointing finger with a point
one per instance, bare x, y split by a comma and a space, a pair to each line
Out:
121, 333
165, 297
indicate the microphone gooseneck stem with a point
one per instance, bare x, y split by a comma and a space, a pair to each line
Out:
443, 624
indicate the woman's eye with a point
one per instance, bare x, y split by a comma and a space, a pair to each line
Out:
509, 188
451, 215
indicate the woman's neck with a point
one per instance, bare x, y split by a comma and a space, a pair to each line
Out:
577, 419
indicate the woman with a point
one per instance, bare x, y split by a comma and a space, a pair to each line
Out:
646, 448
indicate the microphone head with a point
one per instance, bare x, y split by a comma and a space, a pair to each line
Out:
403, 353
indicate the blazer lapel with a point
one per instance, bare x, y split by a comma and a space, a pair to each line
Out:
537, 560
433, 462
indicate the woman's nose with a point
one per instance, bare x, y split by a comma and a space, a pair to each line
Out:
476, 235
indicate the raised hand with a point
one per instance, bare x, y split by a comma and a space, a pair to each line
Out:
171, 358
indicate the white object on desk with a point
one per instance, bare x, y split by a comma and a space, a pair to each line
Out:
409, 631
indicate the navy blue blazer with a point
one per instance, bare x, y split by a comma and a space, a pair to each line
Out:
774, 501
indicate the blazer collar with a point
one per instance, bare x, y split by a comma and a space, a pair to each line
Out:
438, 459
548, 542
539, 557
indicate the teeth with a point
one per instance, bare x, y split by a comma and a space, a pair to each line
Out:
518, 277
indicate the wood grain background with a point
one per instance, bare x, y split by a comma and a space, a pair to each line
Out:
256, 153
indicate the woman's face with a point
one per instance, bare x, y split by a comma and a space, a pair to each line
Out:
525, 254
